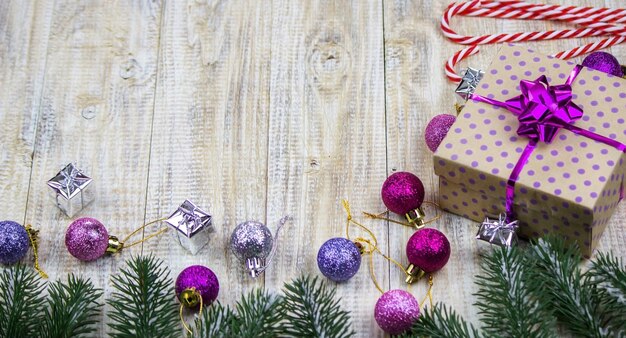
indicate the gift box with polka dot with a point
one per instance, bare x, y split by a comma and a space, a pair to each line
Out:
570, 186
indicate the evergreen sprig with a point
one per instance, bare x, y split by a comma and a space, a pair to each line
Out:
556, 267
608, 277
311, 310
441, 322
509, 300
72, 309
259, 314
144, 304
216, 321
21, 302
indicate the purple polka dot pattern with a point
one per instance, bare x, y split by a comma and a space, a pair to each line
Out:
570, 186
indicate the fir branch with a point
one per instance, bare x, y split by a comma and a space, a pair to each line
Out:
216, 321
21, 302
311, 310
144, 303
509, 300
72, 309
259, 314
441, 322
555, 267
608, 277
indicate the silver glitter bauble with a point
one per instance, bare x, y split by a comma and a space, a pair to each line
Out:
252, 243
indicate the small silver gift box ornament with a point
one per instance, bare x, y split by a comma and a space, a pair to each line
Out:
499, 232
193, 226
469, 82
72, 190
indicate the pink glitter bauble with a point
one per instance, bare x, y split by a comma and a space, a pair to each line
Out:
428, 249
402, 192
86, 239
437, 129
603, 62
396, 311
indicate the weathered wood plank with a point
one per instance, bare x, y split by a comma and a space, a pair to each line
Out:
327, 138
96, 111
210, 128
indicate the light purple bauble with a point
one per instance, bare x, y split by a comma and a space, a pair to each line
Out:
339, 259
396, 311
402, 192
200, 278
437, 129
603, 62
86, 239
428, 249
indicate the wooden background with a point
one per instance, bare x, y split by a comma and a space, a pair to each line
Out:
252, 109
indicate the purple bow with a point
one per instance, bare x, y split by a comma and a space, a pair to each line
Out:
542, 109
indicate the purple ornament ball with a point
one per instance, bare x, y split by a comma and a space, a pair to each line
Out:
437, 129
396, 311
14, 242
428, 249
201, 279
402, 192
87, 239
339, 259
603, 62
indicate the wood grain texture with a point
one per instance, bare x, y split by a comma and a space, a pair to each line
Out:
253, 110
96, 111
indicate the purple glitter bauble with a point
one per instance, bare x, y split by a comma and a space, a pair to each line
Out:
86, 239
201, 279
603, 62
14, 242
402, 192
339, 259
396, 311
437, 129
428, 249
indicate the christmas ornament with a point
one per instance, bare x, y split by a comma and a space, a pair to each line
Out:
403, 193
197, 286
87, 239
339, 259
603, 62
396, 311
428, 250
14, 242
72, 190
499, 232
437, 129
469, 82
193, 226
254, 246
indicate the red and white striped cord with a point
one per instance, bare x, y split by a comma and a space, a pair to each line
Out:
590, 21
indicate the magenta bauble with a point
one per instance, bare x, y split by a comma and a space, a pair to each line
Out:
402, 192
428, 249
437, 129
201, 281
396, 311
86, 239
603, 62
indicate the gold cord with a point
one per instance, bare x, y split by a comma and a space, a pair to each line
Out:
182, 306
429, 293
145, 238
383, 216
370, 246
32, 236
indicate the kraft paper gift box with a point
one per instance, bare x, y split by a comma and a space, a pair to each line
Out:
569, 186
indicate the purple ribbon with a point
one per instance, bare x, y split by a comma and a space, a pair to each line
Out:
542, 110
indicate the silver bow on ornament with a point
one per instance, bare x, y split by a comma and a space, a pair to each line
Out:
499, 232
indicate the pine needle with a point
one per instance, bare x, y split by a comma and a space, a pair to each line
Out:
311, 310
556, 269
72, 309
216, 322
144, 304
259, 314
441, 322
608, 278
21, 302
509, 300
